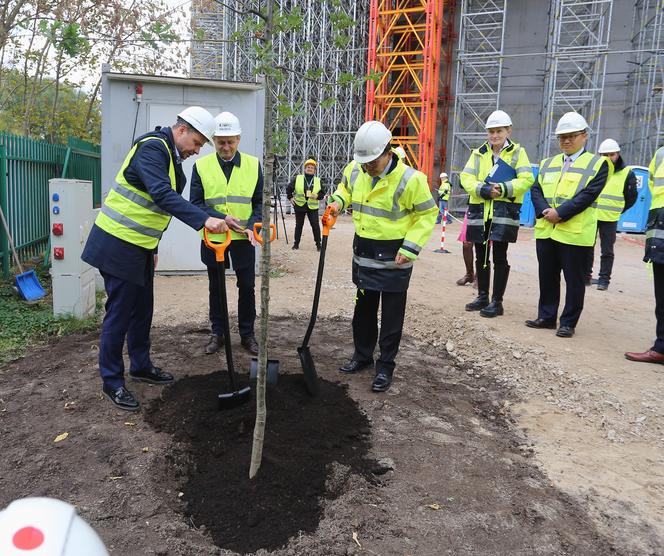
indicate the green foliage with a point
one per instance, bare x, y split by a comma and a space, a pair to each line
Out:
25, 326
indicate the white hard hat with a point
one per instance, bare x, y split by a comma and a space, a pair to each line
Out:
370, 141
609, 146
200, 119
48, 527
570, 122
498, 118
400, 152
228, 125
443, 176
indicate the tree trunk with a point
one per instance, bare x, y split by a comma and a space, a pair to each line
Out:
261, 410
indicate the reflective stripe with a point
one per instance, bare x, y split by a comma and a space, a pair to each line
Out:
522, 169
505, 221
468, 170
425, 205
655, 233
129, 223
588, 173
414, 247
607, 207
353, 177
215, 201
476, 222
138, 199
658, 182
240, 199
510, 189
478, 189
548, 199
552, 170
384, 265
408, 173
477, 163
515, 157
381, 213
612, 197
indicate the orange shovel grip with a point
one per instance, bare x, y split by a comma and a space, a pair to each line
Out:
218, 248
259, 226
328, 220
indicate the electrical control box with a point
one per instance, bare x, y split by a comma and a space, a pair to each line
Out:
71, 217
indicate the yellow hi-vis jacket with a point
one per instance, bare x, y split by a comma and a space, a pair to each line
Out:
396, 215
559, 188
299, 195
444, 191
611, 200
131, 214
504, 210
655, 230
229, 197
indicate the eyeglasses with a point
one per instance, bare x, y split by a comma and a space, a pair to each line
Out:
570, 136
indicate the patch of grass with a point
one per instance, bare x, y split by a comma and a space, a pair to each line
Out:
25, 325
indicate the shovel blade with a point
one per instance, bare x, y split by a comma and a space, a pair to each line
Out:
230, 400
309, 370
28, 286
272, 370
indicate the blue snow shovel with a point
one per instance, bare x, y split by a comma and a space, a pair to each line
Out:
27, 283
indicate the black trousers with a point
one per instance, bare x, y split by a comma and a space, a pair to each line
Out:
607, 239
553, 257
365, 326
243, 256
499, 254
312, 215
658, 275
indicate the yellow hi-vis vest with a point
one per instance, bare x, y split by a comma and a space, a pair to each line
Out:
656, 179
398, 207
301, 198
444, 191
129, 213
559, 188
611, 201
229, 197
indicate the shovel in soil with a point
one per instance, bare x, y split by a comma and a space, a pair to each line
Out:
236, 396
27, 284
272, 364
303, 352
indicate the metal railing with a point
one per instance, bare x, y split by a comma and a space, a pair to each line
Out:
26, 166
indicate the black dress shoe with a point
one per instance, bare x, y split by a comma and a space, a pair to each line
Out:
354, 366
215, 344
153, 375
382, 382
318, 247
565, 332
541, 323
122, 398
295, 246
249, 343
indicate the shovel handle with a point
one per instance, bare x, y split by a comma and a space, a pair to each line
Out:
328, 220
258, 226
218, 248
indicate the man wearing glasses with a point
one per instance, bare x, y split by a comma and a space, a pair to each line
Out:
566, 189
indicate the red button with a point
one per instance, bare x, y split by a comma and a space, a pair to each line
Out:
28, 538
59, 253
58, 229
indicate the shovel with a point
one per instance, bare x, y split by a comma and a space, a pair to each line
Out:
27, 283
272, 364
303, 352
236, 396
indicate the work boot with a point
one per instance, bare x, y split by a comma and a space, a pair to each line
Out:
495, 308
469, 277
215, 344
295, 246
249, 343
482, 299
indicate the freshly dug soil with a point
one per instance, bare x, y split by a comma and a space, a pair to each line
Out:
305, 438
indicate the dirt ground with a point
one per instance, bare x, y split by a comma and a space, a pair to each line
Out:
495, 438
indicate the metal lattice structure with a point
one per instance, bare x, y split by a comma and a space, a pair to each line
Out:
644, 115
577, 48
325, 133
478, 78
405, 38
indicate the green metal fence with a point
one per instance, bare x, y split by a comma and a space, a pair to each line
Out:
26, 166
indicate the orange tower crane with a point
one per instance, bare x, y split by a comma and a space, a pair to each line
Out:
412, 92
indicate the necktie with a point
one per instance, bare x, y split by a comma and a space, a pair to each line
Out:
374, 181
568, 163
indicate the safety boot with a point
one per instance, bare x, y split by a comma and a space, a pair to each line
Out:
482, 299
495, 308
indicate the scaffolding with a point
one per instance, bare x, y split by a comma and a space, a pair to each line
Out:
575, 68
405, 38
318, 128
478, 78
644, 115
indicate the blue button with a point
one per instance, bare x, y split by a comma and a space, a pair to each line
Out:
56, 210
56, 197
